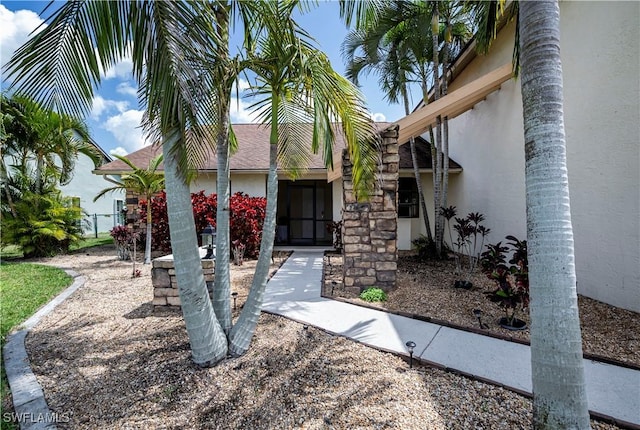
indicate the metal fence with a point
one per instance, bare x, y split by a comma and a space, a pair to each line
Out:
100, 223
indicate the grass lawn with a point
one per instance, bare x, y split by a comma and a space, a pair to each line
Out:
12, 252
24, 288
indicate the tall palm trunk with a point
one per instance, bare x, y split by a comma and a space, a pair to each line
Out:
208, 342
444, 188
437, 161
147, 246
222, 280
560, 399
244, 328
416, 171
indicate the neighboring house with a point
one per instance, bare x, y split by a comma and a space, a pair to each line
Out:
104, 214
305, 205
601, 70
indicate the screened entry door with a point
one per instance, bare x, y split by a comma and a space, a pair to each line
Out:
308, 210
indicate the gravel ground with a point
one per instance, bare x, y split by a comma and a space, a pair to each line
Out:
426, 289
107, 361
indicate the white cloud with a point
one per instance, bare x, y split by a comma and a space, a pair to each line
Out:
378, 117
125, 127
122, 69
15, 28
102, 105
127, 89
119, 151
240, 84
240, 113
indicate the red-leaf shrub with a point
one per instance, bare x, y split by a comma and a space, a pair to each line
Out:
245, 220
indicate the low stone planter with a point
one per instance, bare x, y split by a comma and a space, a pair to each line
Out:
165, 284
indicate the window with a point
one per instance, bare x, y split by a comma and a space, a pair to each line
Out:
118, 205
407, 198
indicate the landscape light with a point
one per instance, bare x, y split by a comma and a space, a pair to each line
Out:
410, 346
208, 238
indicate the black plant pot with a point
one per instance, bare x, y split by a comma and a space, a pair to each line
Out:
466, 285
517, 324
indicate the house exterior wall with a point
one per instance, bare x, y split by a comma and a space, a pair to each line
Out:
601, 100
86, 186
253, 184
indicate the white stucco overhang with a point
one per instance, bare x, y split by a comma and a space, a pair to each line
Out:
453, 104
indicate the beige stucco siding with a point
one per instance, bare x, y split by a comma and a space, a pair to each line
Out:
254, 185
602, 111
204, 181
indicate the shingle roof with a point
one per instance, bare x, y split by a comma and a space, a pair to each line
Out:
253, 153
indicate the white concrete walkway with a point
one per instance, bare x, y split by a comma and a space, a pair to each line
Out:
294, 292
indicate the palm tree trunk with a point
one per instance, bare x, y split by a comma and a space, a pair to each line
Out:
445, 144
39, 173
208, 342
416, 172
437, 170
147, 246
560, 399
244, 328
222, 284
222, 280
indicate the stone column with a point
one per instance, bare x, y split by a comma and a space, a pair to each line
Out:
371, 228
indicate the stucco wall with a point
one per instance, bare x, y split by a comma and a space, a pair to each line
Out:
86, 185
254, 185
602, 110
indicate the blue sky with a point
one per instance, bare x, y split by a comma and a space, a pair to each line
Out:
115, 117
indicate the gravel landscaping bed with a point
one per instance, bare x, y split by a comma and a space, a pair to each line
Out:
106, 360
426, 289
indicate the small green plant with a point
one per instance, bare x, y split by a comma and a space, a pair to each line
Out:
373, 294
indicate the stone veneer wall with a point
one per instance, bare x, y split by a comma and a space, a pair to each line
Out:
165, 285
370, 229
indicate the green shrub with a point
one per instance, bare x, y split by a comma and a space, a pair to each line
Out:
42, 225
373, 295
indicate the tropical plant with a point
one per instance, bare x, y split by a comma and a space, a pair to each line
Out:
44, 141
123, 237
373, 294
392, 49
301, 99
144, 182
180, 56
245, 219
44, 223
512, 280
470, 235
560, 399
395, 44
170, 44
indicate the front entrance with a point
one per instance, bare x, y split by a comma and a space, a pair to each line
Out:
304, 210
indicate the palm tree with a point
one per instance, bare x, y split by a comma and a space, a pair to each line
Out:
50, 140
170, 46
301, 97
560, 399
181, 62
392, 50
403, 26
145, 182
